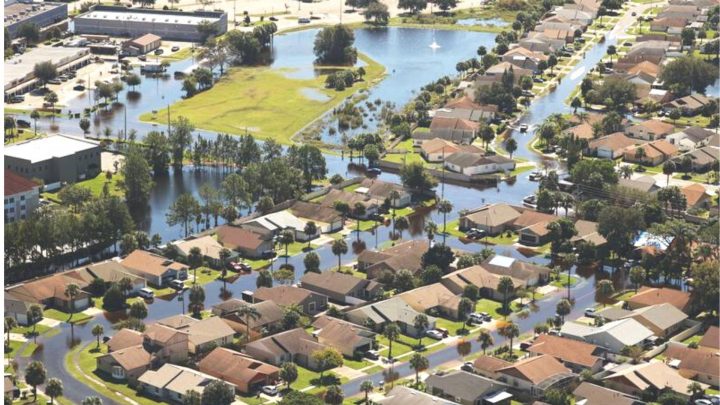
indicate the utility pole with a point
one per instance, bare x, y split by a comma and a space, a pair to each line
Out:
168, 119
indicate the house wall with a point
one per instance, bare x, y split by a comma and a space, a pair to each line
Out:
176, 350
220, 342
106, 364
21, 205
70, 168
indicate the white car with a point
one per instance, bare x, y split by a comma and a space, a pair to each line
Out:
271, 390
435, 334
146, 293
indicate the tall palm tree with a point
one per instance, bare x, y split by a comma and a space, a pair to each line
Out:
10, 323
392, 333
510, 331
430, 229
366, 387
72, 290
418, 363
485, 339
505, 287
248, 312
339, 248
444, 207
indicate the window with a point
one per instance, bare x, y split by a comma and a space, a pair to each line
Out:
118, 372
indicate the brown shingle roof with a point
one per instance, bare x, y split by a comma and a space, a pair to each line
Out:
694, 193
124, 338
315, 212
132, 357
337, 282
616, 141
695, 360
39, 290
711, 339
283, 295
536, 369
582, 131
404, 255
494, 215
150, 263
656, 126
491, 364
566, 350
237, 237
237, 368
145, 40
597, 395
293, 341
652, 296
646, 67
431, 296
453, 123
531, 217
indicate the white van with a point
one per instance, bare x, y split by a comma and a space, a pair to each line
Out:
146, 293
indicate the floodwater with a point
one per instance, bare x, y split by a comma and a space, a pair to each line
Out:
411, 63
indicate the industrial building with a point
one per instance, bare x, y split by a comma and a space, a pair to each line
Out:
53, 159
171, 25
141, 46
19, 74
41, 14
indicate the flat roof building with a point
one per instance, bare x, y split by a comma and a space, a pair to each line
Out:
41, 14
57, 158
169, 24
19, 74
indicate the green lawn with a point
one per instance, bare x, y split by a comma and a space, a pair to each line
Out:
562, 282
308, 377
410, 157
96, 186
693, 339
183, 53
294, 248
29, 349
401, 346
77, 317
13, 349
452, 228
27, 330
489, 306
357, 365
452, 326
205, 275
264, 101
521, 169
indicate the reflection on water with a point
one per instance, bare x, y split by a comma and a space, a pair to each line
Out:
492, 22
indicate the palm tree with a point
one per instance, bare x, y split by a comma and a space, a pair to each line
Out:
563, 308
195, 260
71, 292
35, 116
485, 339
626, 171
401, 224
339, 248
421, 323
35, 374
247, 312
10, 323
505, 287
310, 229
367, 388
53, 389
288, 373
197, 299
358, 212
510, 331
224, 257
125, 285
605, 289
418, 362
287, 237
668, 169
35, 314
98, 331
444, 207
430, 229
392, 333
637, 276
695, 390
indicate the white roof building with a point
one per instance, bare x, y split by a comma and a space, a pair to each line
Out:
42, 149
613, 336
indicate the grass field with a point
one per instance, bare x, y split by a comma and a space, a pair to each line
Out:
264, 101
563, 281
178, 56
77, 317
96, 186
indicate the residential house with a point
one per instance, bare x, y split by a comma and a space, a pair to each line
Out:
155, 269
570, 14
574, 354
696, 196
481, 278
310, 302
658, 376
499, 69
342, 288
473, 163
381, 190
532, 274
453, 129
351, 198
269, 319
649, 296
171, 383
671, 25
111, 271
436, 150
201, 333
46, 291
492, 218
587, 231
650, 130
294, 345
532, 225
126, 364
404, 255
702, 159
123, 339
465, 388
651, 153
699, 364
277, 222
651, 51
350, 339
401, 395
536, 374
395, 309
581, 131
591, 394
664, 320
524, 58
689, 105
245, 373
209, 248
327, 219
433, 299
547, 40
711, 339
647, 68
167, 344
610, 146
250, 242
690, 138
22, 196
644, 184
613, 336
488, 366
465, 108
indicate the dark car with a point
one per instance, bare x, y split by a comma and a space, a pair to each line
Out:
468, 366
22, 124
158, 52
525, 345
142, 58
175, 48
79, 87
273, 18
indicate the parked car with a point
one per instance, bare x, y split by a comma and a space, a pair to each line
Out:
590, 312
538, 80
476, 317
22, 123
468, 366
475, 233
271, 390
434, 334
524, 127
238, 266
535, 176
54, 81
142, 58
177, 284
303, 21
374, 171
703, 402
175, 48
372, 355
79, 87
146, 293
273, 18
525, 345
158, 52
